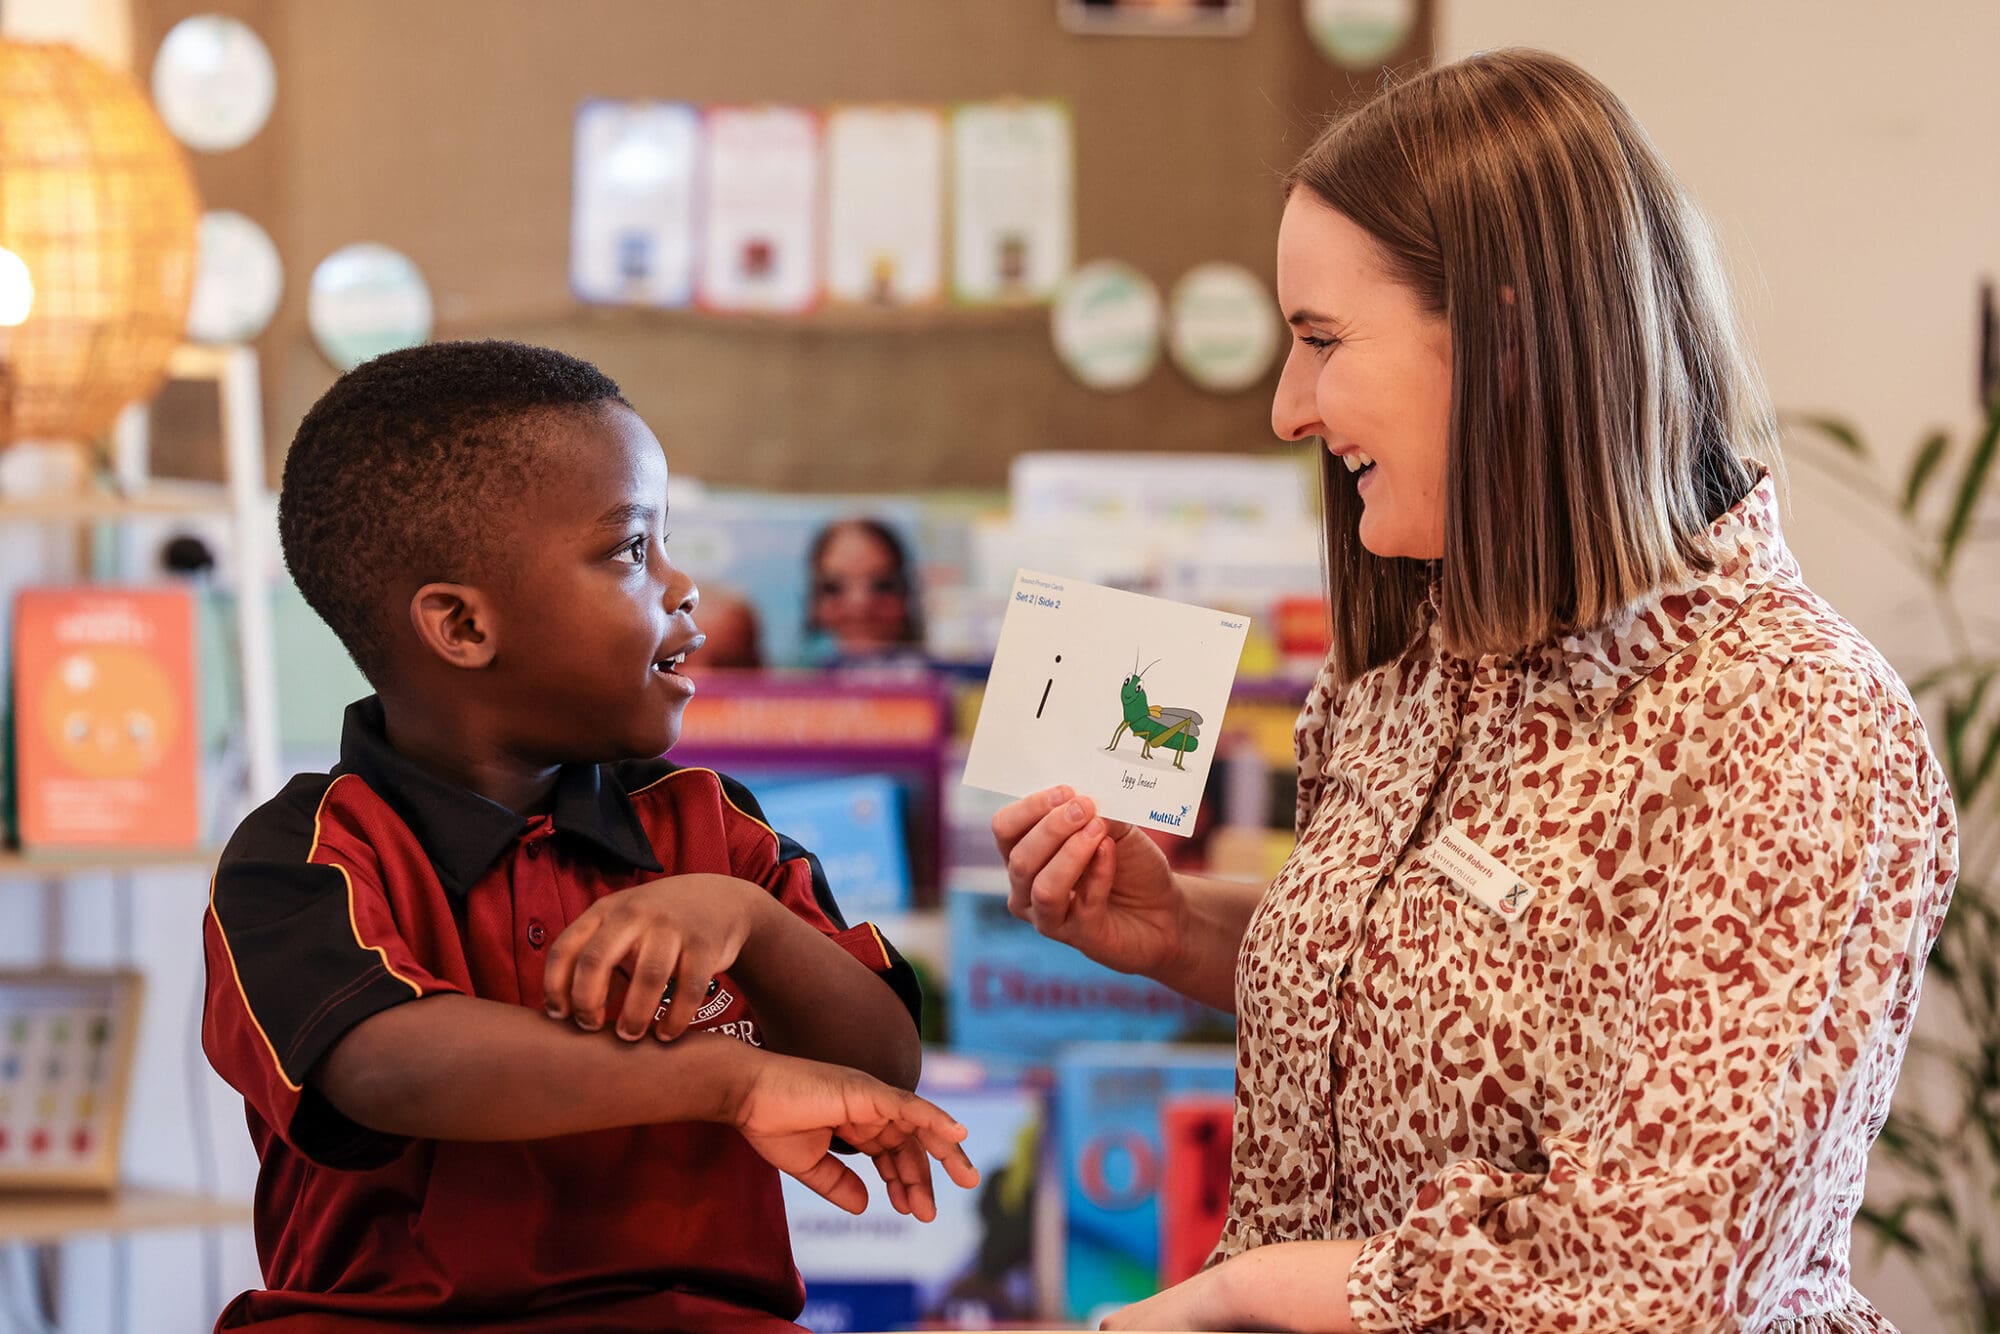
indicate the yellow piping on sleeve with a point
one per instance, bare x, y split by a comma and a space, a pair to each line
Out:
353, 925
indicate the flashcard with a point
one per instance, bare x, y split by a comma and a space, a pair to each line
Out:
1117, 694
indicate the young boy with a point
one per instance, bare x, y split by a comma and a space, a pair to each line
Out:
527, 1019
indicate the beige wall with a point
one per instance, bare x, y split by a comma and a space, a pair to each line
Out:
1848, 152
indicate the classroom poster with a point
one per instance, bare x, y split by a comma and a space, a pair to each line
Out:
105, 718
885, 206
1013, 201
759, 210
632, 217
1157, 18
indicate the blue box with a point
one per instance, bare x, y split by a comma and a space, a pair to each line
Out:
974, 1267
1016, 993
1111, 1101
854, 825
834, 1308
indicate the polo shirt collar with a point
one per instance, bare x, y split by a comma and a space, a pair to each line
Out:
1599, 665
465, 833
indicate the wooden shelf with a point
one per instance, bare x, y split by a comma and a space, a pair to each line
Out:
50, 1216
188, 500
829, 318
28, 865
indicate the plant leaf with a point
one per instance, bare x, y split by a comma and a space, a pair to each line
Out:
1891, 1228
1971, 485
1836, 430
1982, 768
1929, 455
1959, 715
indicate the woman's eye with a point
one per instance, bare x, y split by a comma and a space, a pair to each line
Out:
1318, 344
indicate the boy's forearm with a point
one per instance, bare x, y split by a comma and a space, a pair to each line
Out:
459, 1068
814, 999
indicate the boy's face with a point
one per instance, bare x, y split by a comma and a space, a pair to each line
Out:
593, 615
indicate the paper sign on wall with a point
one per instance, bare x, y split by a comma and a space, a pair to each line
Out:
1119, 695
760, 209
632, 220
1013, 209
885, 205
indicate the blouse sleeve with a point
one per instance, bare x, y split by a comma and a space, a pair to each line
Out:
1759, 1051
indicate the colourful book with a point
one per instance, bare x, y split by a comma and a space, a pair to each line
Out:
854, 825
105, 724
1114, 1104
974, 1267
1014, 992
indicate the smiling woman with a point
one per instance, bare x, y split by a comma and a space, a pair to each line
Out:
1597, 408
1583, 994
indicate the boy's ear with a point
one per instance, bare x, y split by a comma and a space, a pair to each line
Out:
455, 622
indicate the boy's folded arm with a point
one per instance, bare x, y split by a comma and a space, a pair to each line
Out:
815, 999
457, 1067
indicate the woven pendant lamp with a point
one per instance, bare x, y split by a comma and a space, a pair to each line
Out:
97, 200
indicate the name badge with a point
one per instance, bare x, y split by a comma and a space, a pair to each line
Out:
1479, 875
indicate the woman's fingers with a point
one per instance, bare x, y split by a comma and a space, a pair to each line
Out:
1018, 817
1093, 891
1052, 895
1029, 850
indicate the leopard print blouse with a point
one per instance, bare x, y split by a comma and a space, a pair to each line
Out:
1646, 1103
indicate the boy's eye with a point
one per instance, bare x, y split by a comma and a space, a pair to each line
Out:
634, 551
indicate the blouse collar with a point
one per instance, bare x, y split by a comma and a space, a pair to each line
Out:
1602, 663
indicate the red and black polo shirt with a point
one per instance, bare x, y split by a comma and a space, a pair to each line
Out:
378, 883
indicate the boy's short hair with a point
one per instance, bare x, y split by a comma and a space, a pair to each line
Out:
395, 475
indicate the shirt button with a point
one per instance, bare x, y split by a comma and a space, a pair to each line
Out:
538, 935
534, 849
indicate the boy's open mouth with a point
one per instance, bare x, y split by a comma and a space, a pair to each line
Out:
672, 663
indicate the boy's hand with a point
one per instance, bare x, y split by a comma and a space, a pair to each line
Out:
791, 1109
680, 931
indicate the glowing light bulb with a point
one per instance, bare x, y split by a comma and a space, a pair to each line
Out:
17, 289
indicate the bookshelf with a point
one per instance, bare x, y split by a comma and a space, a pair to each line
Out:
39, 1218
16, 865
42, 1219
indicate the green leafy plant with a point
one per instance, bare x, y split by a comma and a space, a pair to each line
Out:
1939, 1202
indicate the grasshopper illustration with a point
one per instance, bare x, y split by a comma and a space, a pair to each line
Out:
1178, 730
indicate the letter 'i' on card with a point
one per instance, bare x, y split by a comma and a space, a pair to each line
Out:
1479, 875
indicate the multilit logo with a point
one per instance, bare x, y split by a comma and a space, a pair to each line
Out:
1161, 817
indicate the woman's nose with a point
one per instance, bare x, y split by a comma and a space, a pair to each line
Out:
1294, 411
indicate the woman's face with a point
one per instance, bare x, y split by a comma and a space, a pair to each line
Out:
859, 597
1369, 373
